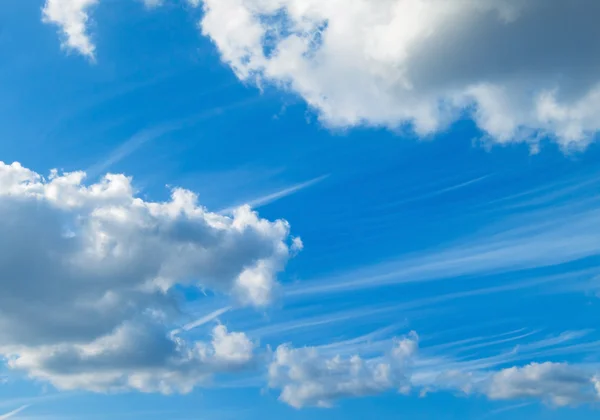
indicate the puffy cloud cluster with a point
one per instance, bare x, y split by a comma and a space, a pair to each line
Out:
307, 377
424, 63
416, 63
87, 273
556, 383
310, 376
135, 357
72, 17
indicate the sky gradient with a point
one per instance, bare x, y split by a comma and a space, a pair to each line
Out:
250, 209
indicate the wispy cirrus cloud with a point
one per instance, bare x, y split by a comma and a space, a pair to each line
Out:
13, 413
266, 199
547, 237
144, 136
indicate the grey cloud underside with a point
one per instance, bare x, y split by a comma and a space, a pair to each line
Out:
535, 48
558, 384
138, 357
87, 274
315, 377
522, 70
307, 377
100, 318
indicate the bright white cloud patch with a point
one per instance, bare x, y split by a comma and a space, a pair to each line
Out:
424, 62
87, 274
72, 18
556, 383
308, 378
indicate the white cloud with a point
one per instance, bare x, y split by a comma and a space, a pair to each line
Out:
556, 383
72, 18
307, 377
424, 62
314, 376
138, 357
88, 273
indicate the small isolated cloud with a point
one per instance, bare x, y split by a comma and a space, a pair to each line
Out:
88, 273
306, 377
556, 383
153, 3
72, 17
424, 63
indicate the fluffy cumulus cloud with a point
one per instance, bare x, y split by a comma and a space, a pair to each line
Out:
311, 376
136, 357
89, 274
71, 16
306, 377
556, 383
424, 63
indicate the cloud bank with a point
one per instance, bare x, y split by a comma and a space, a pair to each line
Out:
418, 64
424, 63
311, 377
90, 273
558, 384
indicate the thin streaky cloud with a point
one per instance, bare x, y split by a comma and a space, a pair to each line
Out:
278, 195
204, 320
13, 413
370, 338
450, 188
313, 322
380, 313
270, 198
130, 146
435, 193
497, 342
509, 408
29, 401
521, 247
316, 321
522, 352
546, 194
144, 136
481, 342
471, 340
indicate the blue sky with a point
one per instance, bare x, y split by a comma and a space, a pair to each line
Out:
425, 242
